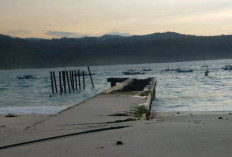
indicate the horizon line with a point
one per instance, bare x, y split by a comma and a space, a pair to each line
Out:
112, 34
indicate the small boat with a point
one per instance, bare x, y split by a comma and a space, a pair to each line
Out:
184, 71
146, 69
227, 67
171, 69
133, 72
28, 77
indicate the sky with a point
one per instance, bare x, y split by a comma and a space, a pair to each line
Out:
78, 18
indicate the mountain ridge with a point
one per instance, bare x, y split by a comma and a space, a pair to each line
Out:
111, 49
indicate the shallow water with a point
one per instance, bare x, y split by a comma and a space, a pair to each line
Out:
175, 91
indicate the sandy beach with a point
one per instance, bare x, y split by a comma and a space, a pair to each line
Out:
95, 126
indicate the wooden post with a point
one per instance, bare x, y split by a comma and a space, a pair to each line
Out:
79, 79
71, 81
90, 75
64, 81
75, 75
68, 82
51, 76
60, 80
83, 73
54, 77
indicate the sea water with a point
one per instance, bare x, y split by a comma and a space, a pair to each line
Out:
175, 91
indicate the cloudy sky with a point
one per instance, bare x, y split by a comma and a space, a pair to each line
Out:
77, 18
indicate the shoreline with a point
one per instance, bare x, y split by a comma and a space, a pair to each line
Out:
94, 128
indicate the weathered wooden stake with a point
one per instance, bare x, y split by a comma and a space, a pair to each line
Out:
54, 77
83, 73
75, 75
64, 81
61, 88
68, 82
71, 81
51, 76
90, 75
79, 79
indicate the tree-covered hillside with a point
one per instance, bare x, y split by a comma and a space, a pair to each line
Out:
111, 49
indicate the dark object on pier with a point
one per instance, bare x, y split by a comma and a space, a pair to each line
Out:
184, 71
119, 143
90, 75
146, 69
138, 84
132, 72
207, 73
220, 117
26, 77
113, 81
134, 85
227, 67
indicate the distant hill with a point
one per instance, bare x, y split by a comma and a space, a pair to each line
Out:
111, 49
33, 39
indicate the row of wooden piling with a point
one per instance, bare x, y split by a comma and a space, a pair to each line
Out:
69, 81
